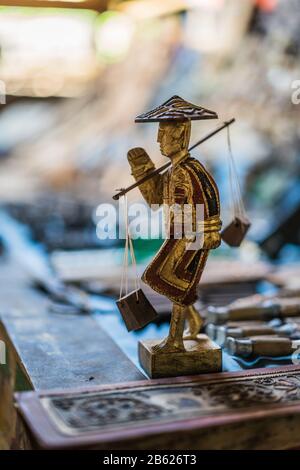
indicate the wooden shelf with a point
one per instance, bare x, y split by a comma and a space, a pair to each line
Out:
98, 5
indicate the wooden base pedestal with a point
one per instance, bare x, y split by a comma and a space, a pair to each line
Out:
201, 355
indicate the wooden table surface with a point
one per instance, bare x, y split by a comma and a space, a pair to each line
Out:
46, 350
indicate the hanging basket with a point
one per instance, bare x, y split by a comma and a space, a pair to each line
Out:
135, 308
236, 231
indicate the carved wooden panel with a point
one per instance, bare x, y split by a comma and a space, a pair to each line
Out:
133, 410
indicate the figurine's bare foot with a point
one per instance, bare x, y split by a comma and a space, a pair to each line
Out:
189, 336
191, 333
168, 346
195, 323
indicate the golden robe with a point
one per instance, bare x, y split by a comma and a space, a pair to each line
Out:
175, 271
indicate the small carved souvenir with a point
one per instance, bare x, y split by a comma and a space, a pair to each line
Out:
177, 268
175, 271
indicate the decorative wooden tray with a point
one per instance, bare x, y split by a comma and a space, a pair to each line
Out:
257, 409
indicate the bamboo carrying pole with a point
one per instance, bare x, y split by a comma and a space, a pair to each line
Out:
123, 191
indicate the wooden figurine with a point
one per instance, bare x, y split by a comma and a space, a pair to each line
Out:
176, 270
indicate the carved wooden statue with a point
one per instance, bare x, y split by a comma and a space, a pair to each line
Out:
176, 270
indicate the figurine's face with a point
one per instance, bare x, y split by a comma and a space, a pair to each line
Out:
173, 137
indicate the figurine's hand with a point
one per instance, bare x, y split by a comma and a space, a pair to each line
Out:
141, 165
137, 156
140, 162
212, 240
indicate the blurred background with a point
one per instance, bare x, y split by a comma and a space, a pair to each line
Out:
74, 74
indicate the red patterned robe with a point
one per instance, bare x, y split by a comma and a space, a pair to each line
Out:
176, 271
